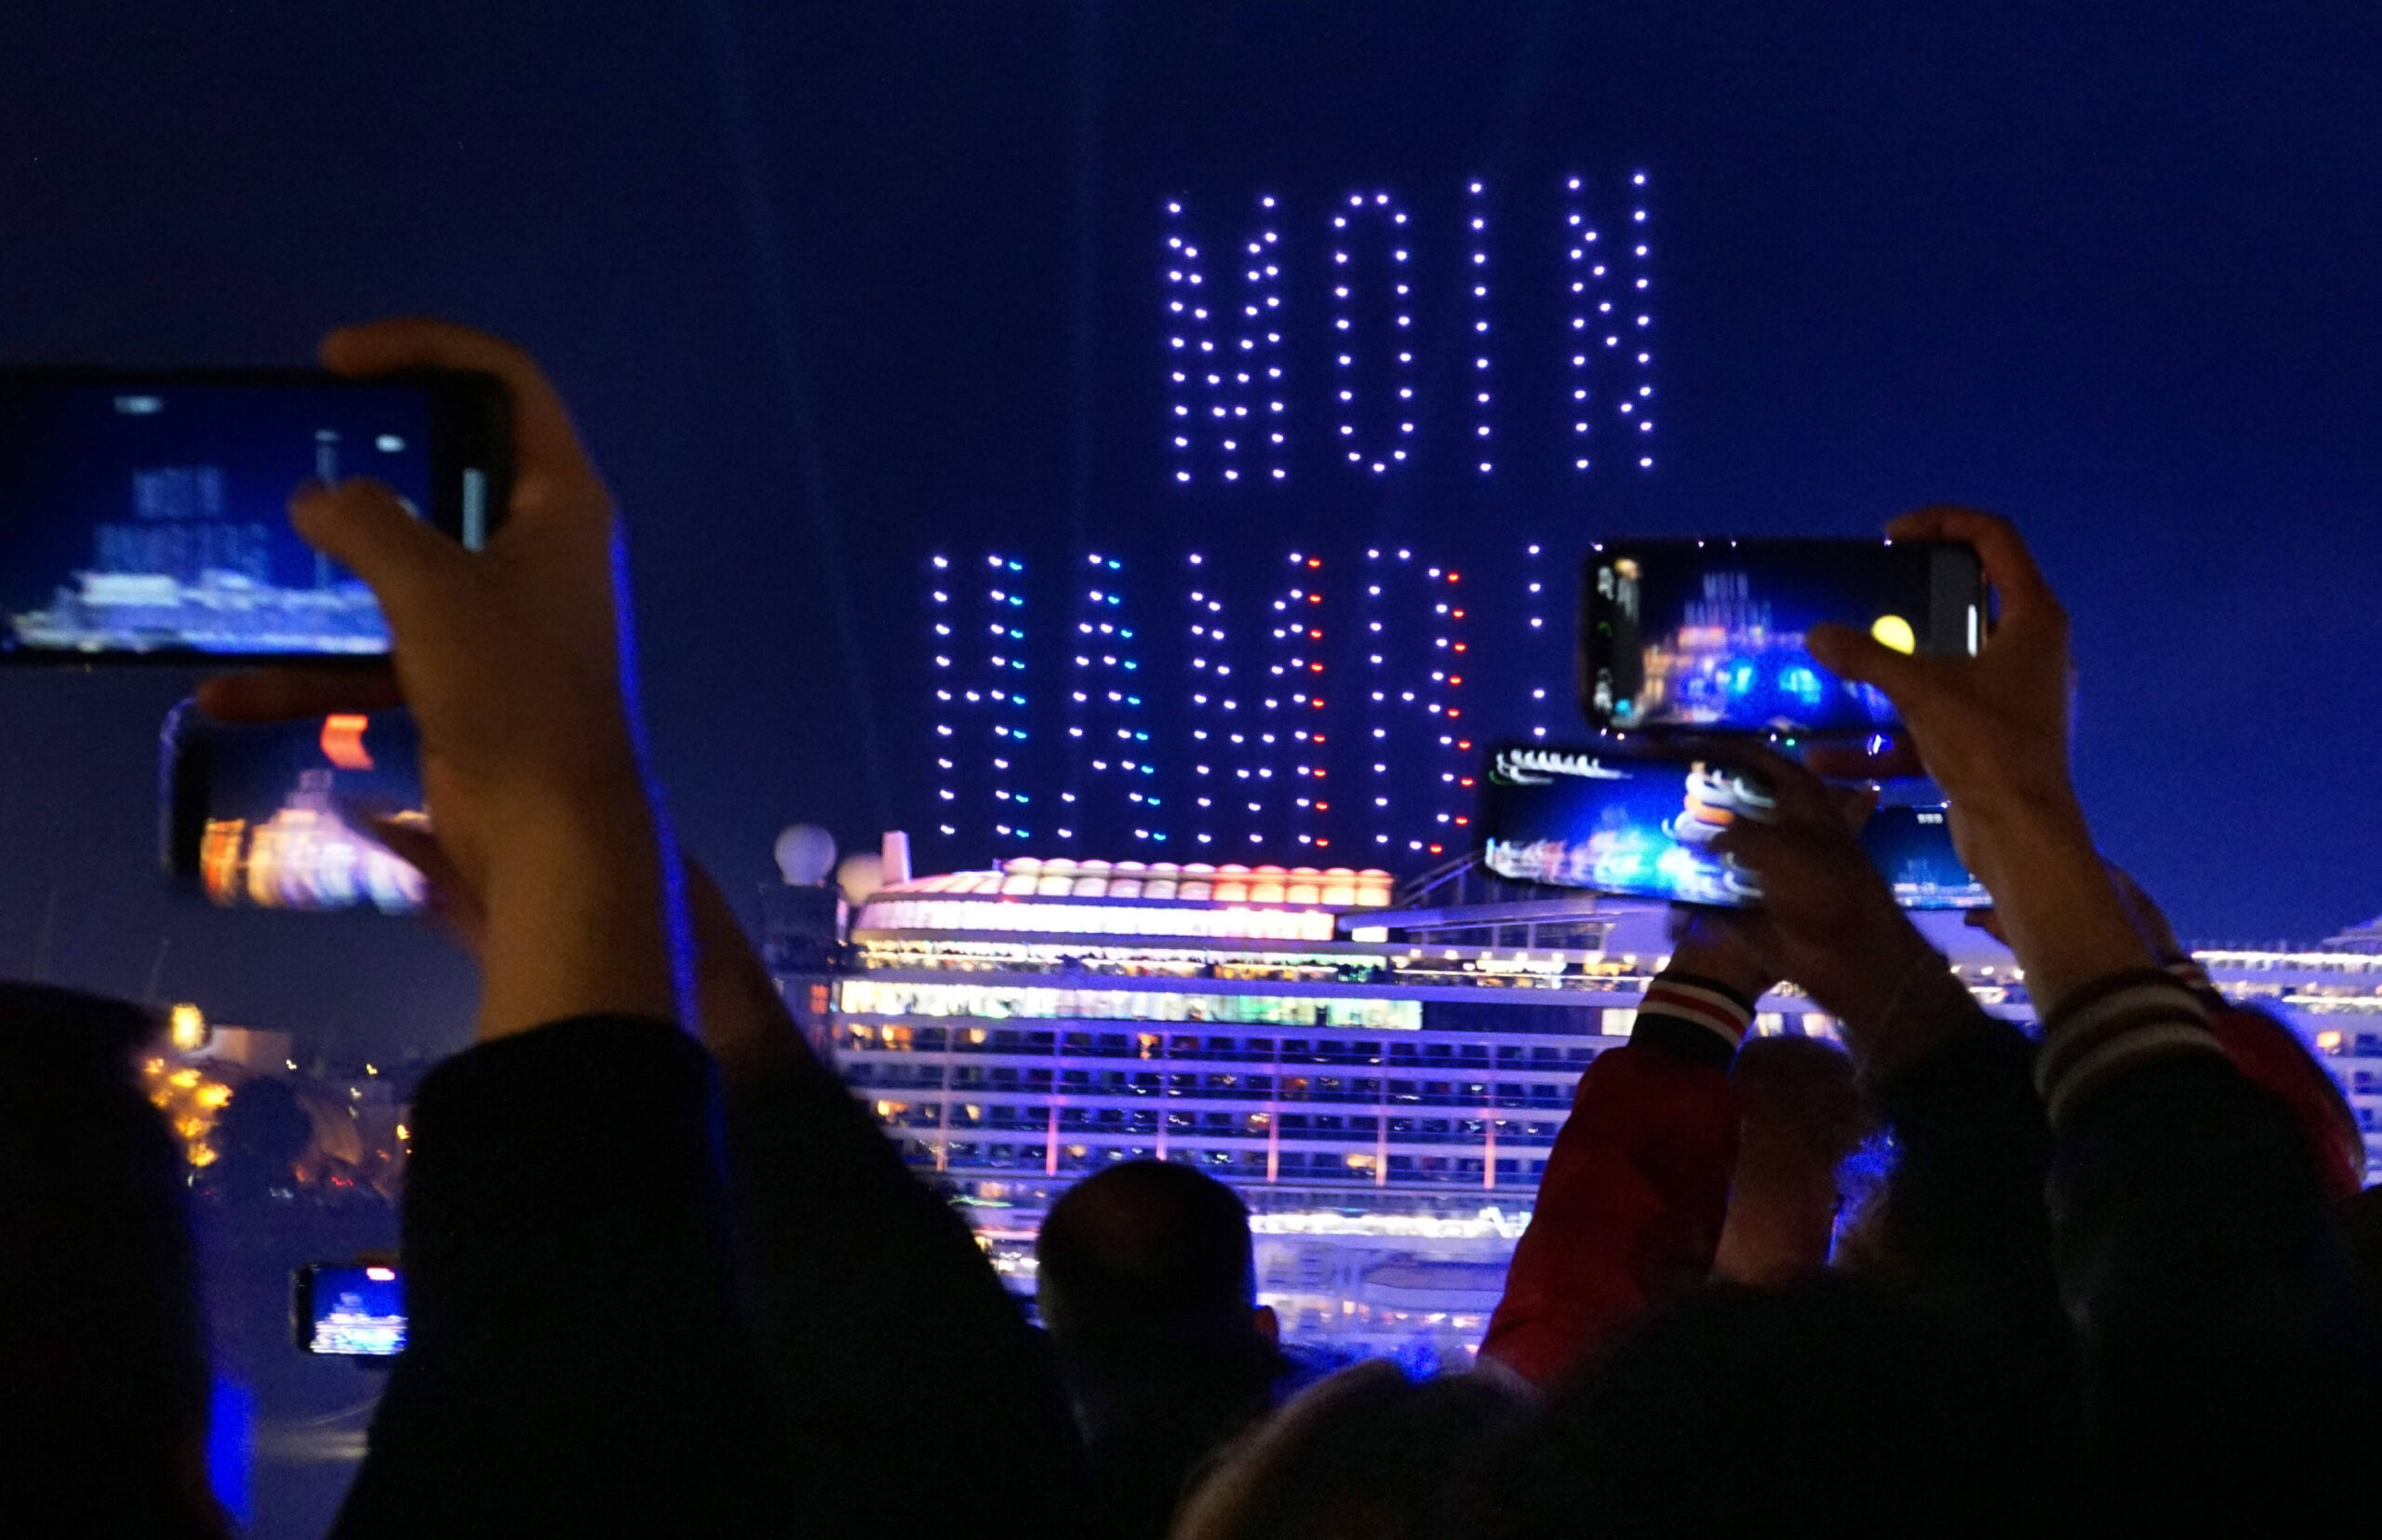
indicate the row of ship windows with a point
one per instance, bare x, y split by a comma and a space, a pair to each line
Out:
869, 997
1219, 1087
1238, 1165
1218, 1125
860, 1038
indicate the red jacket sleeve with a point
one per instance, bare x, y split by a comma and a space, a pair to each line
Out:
1635, 1186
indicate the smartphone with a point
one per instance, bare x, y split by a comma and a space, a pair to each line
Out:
277, 815
1912, 845
350, 1309
1640, 824
144, 514
1707, 634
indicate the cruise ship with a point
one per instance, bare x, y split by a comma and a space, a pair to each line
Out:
1379, 1070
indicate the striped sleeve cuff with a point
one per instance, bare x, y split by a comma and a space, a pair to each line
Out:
2113, 1025
2192, 976
1702, 1005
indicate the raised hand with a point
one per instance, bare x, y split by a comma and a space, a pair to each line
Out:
511, 659
1992, 730
1827, 920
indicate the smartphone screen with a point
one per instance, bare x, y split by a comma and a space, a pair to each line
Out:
1913, 847
1708, 635
278, 815
145, 515
353, 1310
1640, 827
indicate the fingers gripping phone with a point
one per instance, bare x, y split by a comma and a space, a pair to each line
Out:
1710, 634
278, 815
348, 1309
1641, 825
143, 514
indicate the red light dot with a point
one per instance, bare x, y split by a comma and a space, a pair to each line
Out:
1314, 561
1434, 850
1456, 678
1452, 576
1465, 744
1453, 712
1314, 598
1465, 782
1462, 820
1459, 647
1458, 613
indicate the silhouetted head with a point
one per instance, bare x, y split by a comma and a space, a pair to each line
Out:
1149, 1259
258, 1137
103, 1380
1367, 1455
1147, 1286
1825, 1406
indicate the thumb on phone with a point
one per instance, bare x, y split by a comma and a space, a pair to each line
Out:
368, 528
1864, 660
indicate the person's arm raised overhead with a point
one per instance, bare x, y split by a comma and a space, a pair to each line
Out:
2223, 1352
511, 660
1637, 1186
1963, 1226
1993, 732
577, 1361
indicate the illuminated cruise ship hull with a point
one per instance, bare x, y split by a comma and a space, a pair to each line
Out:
1382, 1085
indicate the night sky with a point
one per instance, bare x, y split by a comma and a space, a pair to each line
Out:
826, 282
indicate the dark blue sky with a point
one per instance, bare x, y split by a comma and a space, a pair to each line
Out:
826, 280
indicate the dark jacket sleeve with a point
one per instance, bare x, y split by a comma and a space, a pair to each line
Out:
1636, 1187
2227, 1370
576, 1363
884, 1319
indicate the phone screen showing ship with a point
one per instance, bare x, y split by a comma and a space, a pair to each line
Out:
1635, 827
358, 1312
1913, 848
1711, 637
155, 520
289, 808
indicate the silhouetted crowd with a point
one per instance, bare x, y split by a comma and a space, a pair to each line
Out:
2119, 1275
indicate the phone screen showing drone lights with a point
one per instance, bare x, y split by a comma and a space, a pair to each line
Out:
1638, 827
146, 516
277, 816
1644, 828
351, 1311
1913, 848
1710, 634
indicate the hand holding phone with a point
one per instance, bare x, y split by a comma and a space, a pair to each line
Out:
511, 661
143, 512
1993, 729
1643, 823
1829, 920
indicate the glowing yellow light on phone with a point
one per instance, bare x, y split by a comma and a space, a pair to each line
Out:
1894, 632
189, 1028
